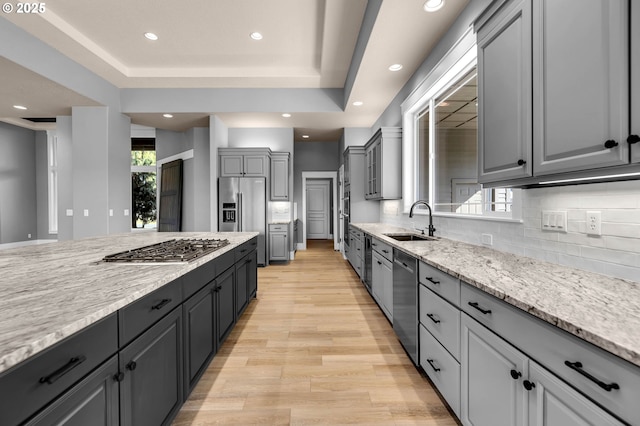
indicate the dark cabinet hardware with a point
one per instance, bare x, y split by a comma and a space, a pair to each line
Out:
521, 162
430, 361
610, 144
385, 251
577, 366
119, 377
475, 305
405, 265
431, 316
379, 263
132, 365
430, 279
633, 139
243, 250
161, 304
374, 244
73, 363
515, 374
528, 385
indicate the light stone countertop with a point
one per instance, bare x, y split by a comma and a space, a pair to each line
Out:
602, 310
50, 291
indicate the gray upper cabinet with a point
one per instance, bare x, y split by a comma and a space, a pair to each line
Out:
244, 162
280, 176
635, 83
383, 165
504, 94
580, 78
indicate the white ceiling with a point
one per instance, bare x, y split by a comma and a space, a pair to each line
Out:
206, 44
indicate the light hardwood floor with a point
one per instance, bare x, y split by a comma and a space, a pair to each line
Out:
313, 348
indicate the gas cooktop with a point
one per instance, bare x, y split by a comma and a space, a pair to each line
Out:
171, 251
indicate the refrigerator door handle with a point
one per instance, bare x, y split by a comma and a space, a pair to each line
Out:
240, 207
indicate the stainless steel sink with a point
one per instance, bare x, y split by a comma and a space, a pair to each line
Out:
410, 237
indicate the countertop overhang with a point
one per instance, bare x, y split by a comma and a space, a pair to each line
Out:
601, 310
50, 291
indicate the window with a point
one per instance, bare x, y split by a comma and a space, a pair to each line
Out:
143, 183
442, 133
52, 178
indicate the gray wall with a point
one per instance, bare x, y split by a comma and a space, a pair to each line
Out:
65, 177
18, 203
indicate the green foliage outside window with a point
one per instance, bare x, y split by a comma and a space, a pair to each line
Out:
143, 190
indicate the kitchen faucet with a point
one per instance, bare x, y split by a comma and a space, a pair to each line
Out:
431, 228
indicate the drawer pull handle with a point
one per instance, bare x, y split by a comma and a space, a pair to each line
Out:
528, 385
431, 316
577, 366
430, 279
475, 305
161, 304
243, 250
73, 363
610, 144
385, 251
515, 375
430, 361
379, 263
633, 139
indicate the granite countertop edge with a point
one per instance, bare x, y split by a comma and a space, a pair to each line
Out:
15, 350
565, 297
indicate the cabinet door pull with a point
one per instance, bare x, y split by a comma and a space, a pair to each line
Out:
515, 375
119, 377
132, 365
161, 304
430, 361
528, 385
431, 316
610, 144
73, 363
475, 305
430, 279
577, 366
521, 162
379, 263
633, 139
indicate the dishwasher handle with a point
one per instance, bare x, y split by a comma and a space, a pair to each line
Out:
402, 264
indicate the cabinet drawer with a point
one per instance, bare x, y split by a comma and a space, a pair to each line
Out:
225, 261
442, 369
243, 249
278, 227
441, 319
440, 283
383, 248
34, 383
143, 313
198, 278
553, 347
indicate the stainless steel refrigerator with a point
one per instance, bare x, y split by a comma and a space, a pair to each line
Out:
242, 207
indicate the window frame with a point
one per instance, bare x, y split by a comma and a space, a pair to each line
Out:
460, 59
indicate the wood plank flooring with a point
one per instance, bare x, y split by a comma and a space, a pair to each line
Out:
313, 349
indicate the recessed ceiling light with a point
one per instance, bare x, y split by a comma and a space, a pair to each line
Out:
286, 115
305, 136
358, 103
395, 67
256, 36
433, 5
151, 36
19, 107
167, 115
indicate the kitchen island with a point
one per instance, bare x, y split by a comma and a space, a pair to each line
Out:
52, 293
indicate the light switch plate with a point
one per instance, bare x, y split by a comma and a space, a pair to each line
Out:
554, 221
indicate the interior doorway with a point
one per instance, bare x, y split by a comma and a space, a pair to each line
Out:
318, 209
314, 223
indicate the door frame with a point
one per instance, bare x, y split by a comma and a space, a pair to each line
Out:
333, 176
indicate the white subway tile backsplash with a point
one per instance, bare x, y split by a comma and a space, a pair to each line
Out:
616, 252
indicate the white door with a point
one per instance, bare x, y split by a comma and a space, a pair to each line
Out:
318, 209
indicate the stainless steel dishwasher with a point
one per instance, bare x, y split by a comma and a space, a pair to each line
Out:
405, 302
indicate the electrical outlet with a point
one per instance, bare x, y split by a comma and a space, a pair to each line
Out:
487, 239
594, 223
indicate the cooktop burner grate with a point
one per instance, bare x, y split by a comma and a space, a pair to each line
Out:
172, 251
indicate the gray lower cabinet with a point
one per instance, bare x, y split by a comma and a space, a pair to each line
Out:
199, 317
225, 305
278, 242
246, 281
151, 388
491, 393
382, 283
93, 401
